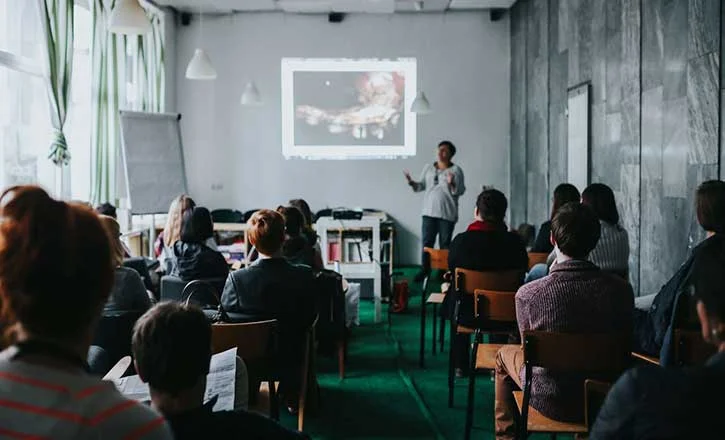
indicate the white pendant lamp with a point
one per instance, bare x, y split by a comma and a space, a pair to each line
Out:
420, 104
200, 66
250, 96
128, 17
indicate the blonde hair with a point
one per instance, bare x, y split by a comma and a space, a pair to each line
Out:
113, 230
172, 230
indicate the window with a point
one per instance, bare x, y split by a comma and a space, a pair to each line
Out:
25, 130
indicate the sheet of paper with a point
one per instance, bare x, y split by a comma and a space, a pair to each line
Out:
220, 382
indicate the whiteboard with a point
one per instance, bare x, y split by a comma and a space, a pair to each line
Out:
578, 136
153, 160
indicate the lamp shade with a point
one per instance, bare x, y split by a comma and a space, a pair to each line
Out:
128, 17
250, 96
200, 66
420, 104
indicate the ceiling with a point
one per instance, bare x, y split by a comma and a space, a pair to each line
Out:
326, 6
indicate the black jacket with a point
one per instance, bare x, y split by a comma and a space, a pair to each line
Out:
665, 403
195, 261
495, 250
543, 239
202, 423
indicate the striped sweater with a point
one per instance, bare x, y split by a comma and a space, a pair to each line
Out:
612, 251
45, 403
576, 297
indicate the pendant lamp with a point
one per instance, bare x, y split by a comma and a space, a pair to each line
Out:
128, 17
200, 67
420, 104
250, 96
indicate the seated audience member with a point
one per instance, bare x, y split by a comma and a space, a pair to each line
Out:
677, 403
563, 194
272, 288
487, 245
308, 230
612, 251
577, 297
194, 259
128, 291
527, 234
653, 313
296, 249
164, 245
172, 350
55, 276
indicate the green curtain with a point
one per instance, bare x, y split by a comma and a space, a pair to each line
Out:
127, 74
57, 22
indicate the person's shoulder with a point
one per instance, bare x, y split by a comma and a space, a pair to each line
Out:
253, 425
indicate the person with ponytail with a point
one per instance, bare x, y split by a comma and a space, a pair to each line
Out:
56, 272
274, 288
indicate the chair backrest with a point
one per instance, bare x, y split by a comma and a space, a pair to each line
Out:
204, 292
438, 258
172, 288
253, 340
467, 281
603, 354
331, 310
690, 348
537, 258
139, 265
248, 214
114, 332
227, 216
492, 305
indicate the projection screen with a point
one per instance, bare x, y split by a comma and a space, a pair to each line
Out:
348, 109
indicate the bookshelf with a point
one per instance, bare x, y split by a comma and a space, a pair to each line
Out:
357, 250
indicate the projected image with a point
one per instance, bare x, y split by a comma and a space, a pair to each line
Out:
353, 108
346, 109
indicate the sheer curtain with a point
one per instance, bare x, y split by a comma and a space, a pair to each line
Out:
127, 74
57, 23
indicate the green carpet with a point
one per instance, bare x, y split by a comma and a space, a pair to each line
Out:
385, 395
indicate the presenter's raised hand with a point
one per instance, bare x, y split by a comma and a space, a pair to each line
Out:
407, 177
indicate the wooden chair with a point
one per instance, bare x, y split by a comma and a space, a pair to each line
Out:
594, 355
438, 261
466, 283
685, 318
691, 349
496, 312
308, 374
256, 343
537, 258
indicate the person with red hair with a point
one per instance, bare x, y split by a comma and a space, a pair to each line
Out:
56, 271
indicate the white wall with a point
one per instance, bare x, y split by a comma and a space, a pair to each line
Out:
234, 154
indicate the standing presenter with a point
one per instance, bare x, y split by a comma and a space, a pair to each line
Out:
442, 182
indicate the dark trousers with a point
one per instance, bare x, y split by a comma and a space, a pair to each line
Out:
433, 227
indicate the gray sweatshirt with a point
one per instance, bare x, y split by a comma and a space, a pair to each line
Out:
440, 199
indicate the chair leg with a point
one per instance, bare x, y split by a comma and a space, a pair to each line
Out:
273, 400
421, 361
443, 332
451, 368
435, 323
471, 393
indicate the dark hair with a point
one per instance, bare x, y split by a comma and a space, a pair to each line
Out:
294, 221
710, 205
451, 147
266, 231
708, 277
304, 208
492, 205
527, 233
55, 264
196, 225
576, 230
171, 345
106, 209
563, 194
600, 198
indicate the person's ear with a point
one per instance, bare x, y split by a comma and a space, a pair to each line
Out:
704, 322
551, 239
476, 213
